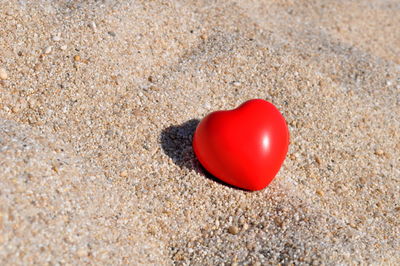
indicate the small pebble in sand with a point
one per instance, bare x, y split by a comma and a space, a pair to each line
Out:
77, 58
204, 37
15, 109
279, 222
293, 156
317, 159
320, 193
379, 152
63, 47
56, 38
55, 168
3, 74
236, 83
123, 174
93, 25
234, 230
48, 50
37, 67
154, 88
245, 227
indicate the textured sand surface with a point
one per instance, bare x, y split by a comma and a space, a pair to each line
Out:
99, 101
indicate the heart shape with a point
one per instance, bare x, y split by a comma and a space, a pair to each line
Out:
244, 147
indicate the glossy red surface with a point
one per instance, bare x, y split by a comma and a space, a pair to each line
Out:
244, 147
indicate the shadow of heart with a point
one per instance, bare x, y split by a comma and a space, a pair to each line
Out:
176, 142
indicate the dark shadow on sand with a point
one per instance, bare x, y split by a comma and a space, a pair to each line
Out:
176, 142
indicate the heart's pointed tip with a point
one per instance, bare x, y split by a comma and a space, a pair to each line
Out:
256, 188
251, 185
243, 188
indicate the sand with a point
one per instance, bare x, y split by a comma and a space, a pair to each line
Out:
99, 101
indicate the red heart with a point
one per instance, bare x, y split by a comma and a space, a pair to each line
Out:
244, 147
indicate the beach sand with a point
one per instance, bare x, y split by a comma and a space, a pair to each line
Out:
99, 101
